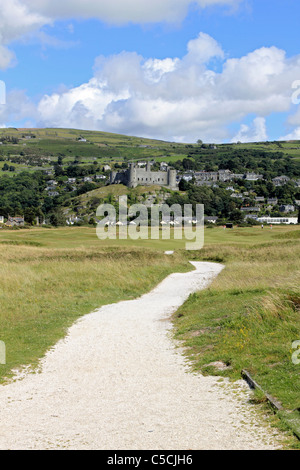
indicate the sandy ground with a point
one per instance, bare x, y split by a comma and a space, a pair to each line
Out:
118, 382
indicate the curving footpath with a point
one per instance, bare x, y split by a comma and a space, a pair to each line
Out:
118, 382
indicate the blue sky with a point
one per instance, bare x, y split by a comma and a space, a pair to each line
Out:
220, 70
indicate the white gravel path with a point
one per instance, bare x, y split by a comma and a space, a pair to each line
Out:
118, 382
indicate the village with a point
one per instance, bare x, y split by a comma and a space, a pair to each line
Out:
243, 189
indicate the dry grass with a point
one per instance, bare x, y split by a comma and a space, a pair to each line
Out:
44, 291
249, 317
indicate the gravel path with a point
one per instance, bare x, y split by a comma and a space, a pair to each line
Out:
118, 382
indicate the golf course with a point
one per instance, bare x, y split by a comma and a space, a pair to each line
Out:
246, 319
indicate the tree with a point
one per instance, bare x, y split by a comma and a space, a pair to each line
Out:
57, 218
184, 185
29, 215
58, 170
236, 216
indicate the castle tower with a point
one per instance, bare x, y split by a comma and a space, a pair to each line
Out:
131, 182
112, 177
172, 178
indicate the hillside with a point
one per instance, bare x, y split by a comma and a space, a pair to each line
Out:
34, 149
51, 174
83, 208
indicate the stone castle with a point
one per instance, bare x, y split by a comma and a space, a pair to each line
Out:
135, 176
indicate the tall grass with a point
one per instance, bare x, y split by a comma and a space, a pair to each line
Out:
249, 317
43, 291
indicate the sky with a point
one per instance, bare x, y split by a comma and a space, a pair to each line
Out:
175, 70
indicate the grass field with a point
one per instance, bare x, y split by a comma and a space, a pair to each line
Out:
247, 319
102, 146
51, 278
112, 148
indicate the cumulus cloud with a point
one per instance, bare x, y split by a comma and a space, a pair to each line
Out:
81, 107
7, 57
171, 98
293, 124
294, 135
15, 21
20, 17
121, 11
256, 132
18, 108
203, 48
179, 98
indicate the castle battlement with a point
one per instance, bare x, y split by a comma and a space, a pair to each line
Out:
135, 176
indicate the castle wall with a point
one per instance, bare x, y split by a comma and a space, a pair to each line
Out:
145, 178
135, 176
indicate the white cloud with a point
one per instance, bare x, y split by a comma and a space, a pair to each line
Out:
203, 49
15, 21
82, 107
155, 69
257, 132
294, 135
179, 97
121, 11
7, 57
293, 123
18, 108
154, 97
21, 17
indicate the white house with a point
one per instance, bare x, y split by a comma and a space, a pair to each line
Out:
1, 219
273, 201
253, 177
280, 180
278, 220
211, 219
287, 208
250, 209
164, 166
72, 220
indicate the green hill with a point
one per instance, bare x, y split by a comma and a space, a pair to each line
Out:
33, 149
50, 173
39, 148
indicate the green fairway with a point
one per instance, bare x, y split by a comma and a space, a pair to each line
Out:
71, 237
49, 278
248, 318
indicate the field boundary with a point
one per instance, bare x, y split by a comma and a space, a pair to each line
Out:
290, 418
